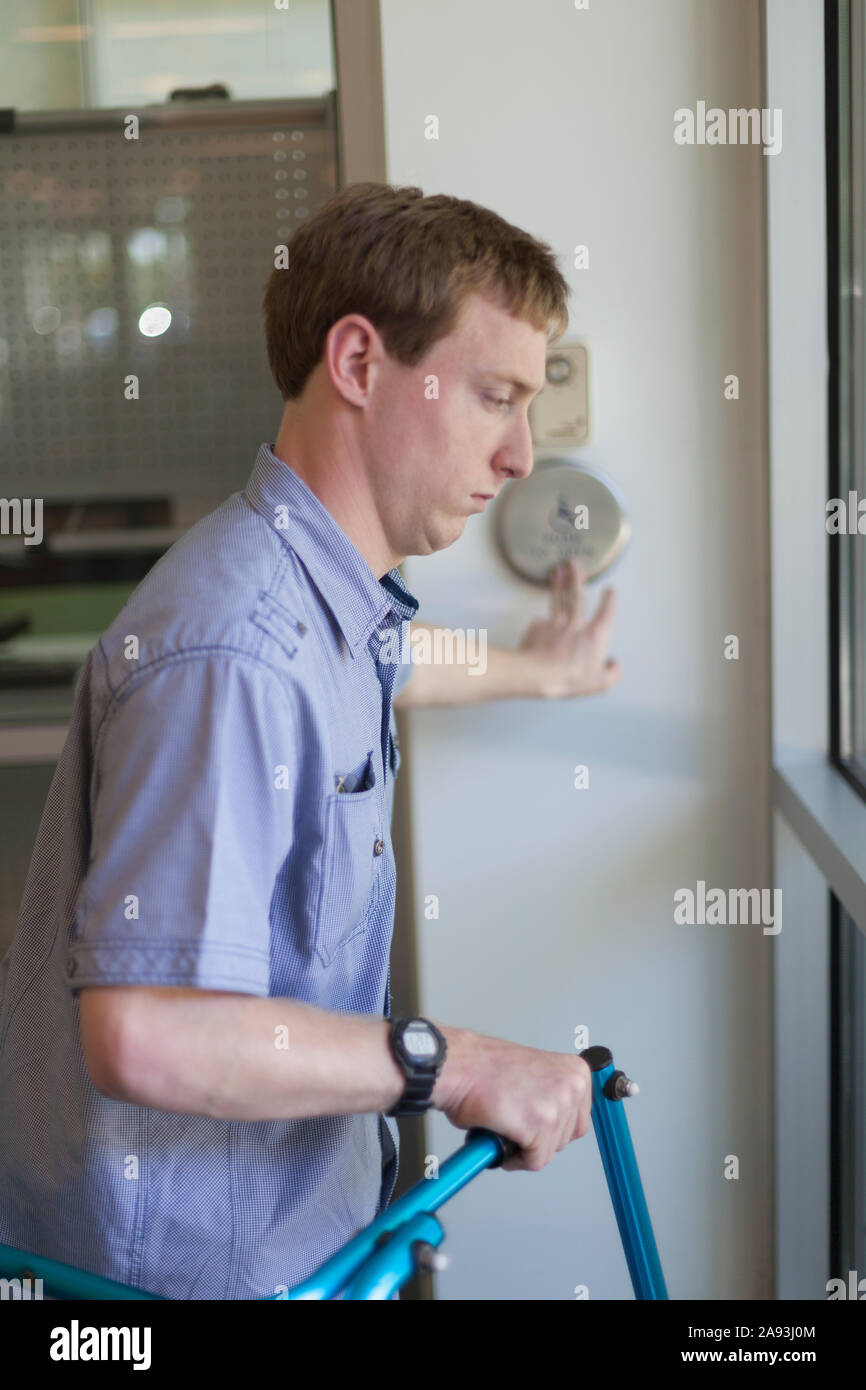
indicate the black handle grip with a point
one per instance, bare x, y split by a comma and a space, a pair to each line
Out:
507, 1147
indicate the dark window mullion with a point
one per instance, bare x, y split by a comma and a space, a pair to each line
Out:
853, 456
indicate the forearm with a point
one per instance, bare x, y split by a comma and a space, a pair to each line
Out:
495, 673
240, 1057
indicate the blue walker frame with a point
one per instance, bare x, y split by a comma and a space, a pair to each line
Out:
388, 1252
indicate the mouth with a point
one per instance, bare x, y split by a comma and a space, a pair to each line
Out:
482, 498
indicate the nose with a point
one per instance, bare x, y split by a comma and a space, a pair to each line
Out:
516, 459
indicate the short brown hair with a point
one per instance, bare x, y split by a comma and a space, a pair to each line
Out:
407, 263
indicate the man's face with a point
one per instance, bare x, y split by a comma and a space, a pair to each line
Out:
429, 459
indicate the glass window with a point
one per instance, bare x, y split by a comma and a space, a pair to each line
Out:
73, 54
846, 526
847, 1092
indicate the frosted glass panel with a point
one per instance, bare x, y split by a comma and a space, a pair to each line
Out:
135, 388
132, 356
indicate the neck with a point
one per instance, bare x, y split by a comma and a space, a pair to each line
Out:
323, 450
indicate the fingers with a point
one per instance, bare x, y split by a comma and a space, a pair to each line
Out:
576, 1123
568, 596
568, 601
604, 614
600, 631
557, 599
576, 580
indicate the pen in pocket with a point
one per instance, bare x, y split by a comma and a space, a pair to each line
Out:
354, 781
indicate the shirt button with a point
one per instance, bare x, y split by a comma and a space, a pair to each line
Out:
379, 846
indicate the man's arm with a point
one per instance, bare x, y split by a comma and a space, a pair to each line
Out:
235, 1056
206, 1052
558, 657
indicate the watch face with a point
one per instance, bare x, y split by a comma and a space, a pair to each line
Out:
419, 1042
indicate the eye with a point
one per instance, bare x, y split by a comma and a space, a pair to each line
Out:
496, 400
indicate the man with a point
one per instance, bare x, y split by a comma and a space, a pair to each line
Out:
195, 1041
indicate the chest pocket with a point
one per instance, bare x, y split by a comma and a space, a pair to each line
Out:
351, 868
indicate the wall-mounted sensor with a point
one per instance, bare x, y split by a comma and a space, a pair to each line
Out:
559, 414
563, 508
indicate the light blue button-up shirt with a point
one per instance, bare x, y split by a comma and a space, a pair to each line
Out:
194, 835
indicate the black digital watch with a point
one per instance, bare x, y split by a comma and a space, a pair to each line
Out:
420, 1049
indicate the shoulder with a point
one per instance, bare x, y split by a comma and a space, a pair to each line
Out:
229, 590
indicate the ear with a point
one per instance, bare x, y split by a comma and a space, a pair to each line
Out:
352, 348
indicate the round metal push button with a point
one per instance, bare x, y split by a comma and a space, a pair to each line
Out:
379, 847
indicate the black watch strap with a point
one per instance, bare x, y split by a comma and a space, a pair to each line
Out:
420, 1075
415, 1099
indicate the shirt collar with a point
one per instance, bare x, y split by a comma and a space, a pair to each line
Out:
358, 600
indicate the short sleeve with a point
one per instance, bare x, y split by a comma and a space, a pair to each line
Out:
191, 820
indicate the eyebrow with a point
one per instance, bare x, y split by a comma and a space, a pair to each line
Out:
524, 388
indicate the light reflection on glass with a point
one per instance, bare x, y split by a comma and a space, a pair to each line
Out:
154, 320
174, 208
46, 319
94, 250
102, 323
146, 245
68, 339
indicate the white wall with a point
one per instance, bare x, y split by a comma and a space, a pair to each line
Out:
557, 905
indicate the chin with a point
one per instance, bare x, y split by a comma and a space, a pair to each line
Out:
428, 542
453, 536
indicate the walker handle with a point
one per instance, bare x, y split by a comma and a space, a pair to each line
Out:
507, 1147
